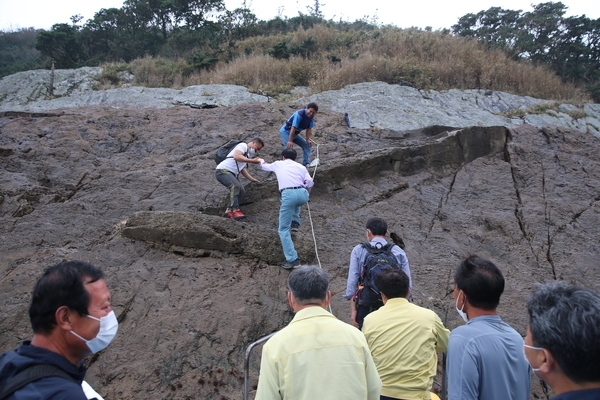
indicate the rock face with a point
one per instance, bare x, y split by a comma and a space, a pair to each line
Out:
373, 105
133, 192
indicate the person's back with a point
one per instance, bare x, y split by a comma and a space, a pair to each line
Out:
404, 340
318, 348
316, 356
485, 361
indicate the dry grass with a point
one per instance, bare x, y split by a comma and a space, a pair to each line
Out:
428, 60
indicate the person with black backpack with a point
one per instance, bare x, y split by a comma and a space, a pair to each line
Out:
299, 121
366, 261
71, 317
231, 160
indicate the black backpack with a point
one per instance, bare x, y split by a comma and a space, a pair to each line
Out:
30, 374
224, 150
377, 258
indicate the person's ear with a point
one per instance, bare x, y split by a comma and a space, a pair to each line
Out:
290, 298
547, 362
64, 317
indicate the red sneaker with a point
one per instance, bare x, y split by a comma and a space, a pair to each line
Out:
228, 214
237, 215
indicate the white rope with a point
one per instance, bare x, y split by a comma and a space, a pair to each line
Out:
312, 228
316, 159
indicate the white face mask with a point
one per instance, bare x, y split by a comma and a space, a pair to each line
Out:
526, 359
251, 152
461, 312
108, 329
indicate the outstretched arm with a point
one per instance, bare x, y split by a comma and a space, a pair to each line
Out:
248, 176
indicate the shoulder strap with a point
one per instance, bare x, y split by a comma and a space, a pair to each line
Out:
32, 374
368, 246
388, 246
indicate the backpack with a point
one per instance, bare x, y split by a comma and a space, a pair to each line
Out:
377, 258
224, 150
30, 374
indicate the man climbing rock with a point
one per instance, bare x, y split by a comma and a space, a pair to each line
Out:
228, 170
294, 182
299, 121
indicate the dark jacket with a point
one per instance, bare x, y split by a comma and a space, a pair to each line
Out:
51, 387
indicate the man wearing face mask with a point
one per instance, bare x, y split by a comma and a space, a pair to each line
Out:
485, 358
228, 170
71, 317
563, 340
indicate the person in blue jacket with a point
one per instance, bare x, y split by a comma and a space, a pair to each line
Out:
71, 317
299, 121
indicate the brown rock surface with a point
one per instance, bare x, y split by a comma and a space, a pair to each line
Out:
133, 192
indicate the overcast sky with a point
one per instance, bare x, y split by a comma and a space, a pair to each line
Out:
438, 14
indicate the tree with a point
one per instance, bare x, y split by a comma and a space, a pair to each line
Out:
238, 24
62, 45
570, 46
315, 9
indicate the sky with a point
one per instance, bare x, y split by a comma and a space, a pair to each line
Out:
438, 14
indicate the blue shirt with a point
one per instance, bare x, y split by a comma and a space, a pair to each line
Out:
357, 259
298, 122
486, 362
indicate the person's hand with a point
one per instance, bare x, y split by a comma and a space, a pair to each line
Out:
259, 160
255, 181
290, 145
310, 143
353, 318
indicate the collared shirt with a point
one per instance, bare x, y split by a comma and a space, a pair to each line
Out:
317, 356
357, 258
235, 167
404, 340
588, 394
486, 361
289, 174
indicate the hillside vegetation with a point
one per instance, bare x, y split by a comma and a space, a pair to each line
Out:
427, 60
185, 42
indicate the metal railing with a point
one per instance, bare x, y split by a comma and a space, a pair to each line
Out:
247, 362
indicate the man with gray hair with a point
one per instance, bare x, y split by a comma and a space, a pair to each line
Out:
563, 340
316, 356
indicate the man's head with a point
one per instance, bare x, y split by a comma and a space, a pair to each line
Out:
67, 306
308, 286
564, 331
61, 285
392, 283
377, 226
256, 144
480, 281
311, 109
289, 154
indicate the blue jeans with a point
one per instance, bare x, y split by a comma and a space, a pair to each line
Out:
291, 201
299, 140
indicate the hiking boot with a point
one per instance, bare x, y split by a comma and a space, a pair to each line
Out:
290, 264
294, 227
228, 214
237, 215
